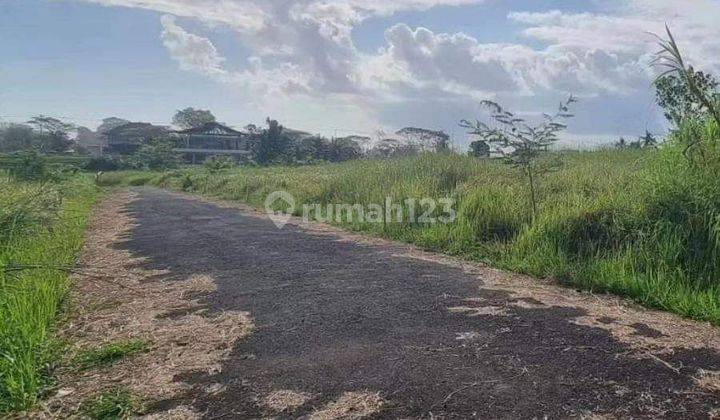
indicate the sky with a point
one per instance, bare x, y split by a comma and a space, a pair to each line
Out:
340, 67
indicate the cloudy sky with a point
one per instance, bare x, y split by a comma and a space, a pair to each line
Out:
345, 66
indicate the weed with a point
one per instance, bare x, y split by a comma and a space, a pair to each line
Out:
110, 353
117, 403
41, 233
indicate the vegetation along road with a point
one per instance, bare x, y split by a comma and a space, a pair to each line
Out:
248, 320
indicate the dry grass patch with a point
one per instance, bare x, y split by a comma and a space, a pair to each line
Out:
709, 380
119, 301
350, 405
473, 311
285, 400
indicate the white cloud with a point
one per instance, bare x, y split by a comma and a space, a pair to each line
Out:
304, 51
192, 52
460, 63
628, 31
446, 60
240, 14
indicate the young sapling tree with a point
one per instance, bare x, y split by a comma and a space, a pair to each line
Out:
520, 143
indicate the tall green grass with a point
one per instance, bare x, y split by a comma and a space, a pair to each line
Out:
638, 223
54, 160
41, 233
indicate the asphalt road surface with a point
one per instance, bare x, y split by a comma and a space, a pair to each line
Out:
334, 316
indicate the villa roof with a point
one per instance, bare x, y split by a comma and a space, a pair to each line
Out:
212, 128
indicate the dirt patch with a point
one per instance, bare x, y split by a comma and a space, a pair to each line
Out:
709, 380
285, 400
118, 300
350, 405
478, 311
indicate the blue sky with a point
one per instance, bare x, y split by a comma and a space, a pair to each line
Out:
344, 66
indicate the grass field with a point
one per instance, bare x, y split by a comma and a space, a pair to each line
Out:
642, 224
53, 160
41, 233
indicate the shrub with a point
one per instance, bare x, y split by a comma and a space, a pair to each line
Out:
219, 163
24, 208
105, 163
157, 155
30, 166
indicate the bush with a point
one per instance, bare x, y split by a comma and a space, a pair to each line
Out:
220, 163
140, 179
105, 164
23, 209
30, 166
157, 155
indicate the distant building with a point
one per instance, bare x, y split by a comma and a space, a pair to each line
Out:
127, 138
90, 141
214, 139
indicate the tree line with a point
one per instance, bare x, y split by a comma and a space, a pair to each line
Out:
276, 143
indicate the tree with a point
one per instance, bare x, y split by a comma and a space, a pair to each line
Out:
389, 147
110, 123
16, 137
707, 101
479, 149
648, 140
676, 98
253, 129
192, 118
343, 149
158, 154
55, 143
30, 167
53, 134
519, 143
426, 140
392, 148
311, 148
695, 89
274, 144
49, 125
362, 141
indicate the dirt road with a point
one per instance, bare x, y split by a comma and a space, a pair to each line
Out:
350, 326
